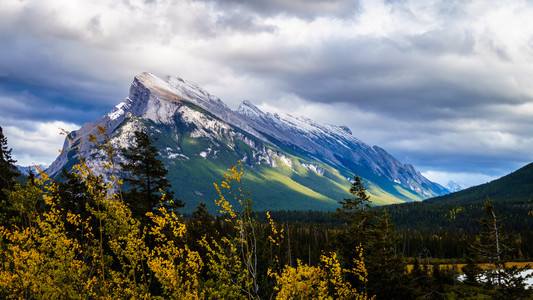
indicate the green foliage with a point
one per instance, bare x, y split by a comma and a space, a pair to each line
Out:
8, 173
471, 271
147, 177
493, 247
78, 239
356, 211
374, 231
429, 225
514, 187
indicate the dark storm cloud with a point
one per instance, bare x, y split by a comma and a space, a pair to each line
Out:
37, 76
21, 101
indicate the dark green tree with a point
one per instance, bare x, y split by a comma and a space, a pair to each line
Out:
8, 173
147, 177
74, 197
374, 231
494, 248
471, 271
355, 210
358, 219
201, 224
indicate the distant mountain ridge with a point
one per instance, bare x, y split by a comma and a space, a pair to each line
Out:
25, 170
512, 196
517, 185
292, 162
454, 186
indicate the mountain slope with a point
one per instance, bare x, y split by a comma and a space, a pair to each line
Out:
512, 196
336, 145
291, 162
517, 185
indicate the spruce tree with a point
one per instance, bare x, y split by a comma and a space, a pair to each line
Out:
355, 210
374, 231
8, 173
147, 177
494, 248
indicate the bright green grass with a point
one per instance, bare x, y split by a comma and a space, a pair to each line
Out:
271, 188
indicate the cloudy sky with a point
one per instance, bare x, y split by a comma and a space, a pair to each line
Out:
444, 85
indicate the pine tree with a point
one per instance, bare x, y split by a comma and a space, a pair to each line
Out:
147, 178
376, 234
358, 218
471, 271
356, 210
73, 197
490, 245
494, 247
8, 173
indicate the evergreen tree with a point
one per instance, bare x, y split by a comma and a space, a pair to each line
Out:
201, 224
147, 178
73, 197
356, 210
493, 247
8, 173
376, 234
471, 271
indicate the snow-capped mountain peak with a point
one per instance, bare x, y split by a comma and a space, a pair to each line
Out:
197, 126
249, 110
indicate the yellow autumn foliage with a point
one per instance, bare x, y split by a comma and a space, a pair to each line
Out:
107, 254
325, 281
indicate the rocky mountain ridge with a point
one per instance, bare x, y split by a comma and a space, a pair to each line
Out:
197, 128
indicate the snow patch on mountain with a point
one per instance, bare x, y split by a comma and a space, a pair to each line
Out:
286, 160
336, 145
25, 170
315, 168
119, 110
178, 104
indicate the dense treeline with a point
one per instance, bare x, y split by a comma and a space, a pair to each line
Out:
85, 237
93, 237
446, 228
443, 229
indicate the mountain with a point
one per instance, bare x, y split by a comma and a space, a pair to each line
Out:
512, 196
454, 186
25, 170
291, 162
516, 186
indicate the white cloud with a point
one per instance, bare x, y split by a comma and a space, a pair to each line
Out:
36, 142
465, 179
441, 84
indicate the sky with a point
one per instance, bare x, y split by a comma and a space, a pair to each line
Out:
443, 85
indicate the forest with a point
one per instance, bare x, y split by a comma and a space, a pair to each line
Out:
86, 236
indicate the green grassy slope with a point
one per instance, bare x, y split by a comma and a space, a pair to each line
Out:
271, 188
512, 196
514, 186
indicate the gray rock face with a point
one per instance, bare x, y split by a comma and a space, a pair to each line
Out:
162, 102
336, 145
